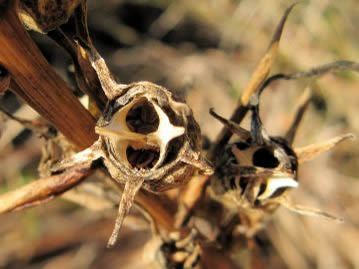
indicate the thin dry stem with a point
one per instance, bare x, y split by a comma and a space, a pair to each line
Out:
302, 106
44, 189
314, 72
308, 211
188, 198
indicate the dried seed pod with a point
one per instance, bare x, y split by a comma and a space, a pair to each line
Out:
147, 134
253, 175
148, 138
45, 15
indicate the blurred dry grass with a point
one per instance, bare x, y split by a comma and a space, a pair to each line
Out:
212, 46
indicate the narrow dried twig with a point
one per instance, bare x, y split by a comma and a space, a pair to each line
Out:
44, 189
302, 105
314, 72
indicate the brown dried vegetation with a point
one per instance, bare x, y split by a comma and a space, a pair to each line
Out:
199, 203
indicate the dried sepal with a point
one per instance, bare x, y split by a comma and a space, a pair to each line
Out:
86, 78
263, 68
128, 196
109, 84
308, 153
92, 154
307, 211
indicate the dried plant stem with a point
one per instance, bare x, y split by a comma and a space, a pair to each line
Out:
33, 79
302, 105
44, 189
160, 213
